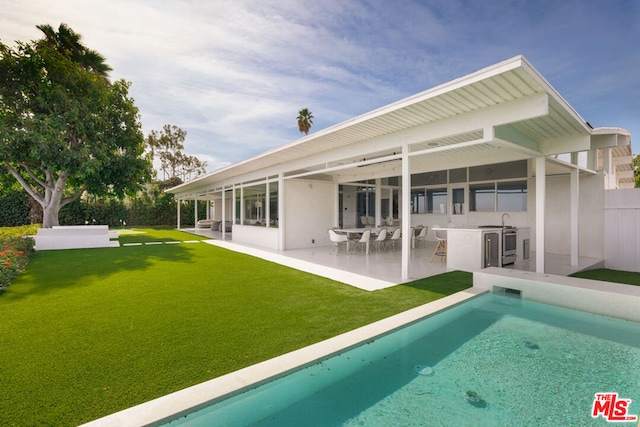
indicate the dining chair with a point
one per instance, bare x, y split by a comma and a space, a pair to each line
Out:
338, 240
395, 237
380, 240
364, 240
421, 237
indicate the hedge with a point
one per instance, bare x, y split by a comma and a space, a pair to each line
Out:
154, 208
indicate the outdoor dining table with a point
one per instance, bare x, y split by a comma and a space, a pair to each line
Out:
356, 233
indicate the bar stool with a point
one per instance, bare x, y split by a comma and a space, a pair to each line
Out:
441, 247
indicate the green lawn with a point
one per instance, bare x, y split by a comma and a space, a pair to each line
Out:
84, 333
625, 277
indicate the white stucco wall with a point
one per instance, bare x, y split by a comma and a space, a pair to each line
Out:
309, 213
255, 235
558, 215
622, 229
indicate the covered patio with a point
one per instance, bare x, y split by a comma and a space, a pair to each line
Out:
431, 159
378, 269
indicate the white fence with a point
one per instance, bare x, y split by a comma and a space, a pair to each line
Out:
622, 229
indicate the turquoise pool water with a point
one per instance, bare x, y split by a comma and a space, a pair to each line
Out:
491, 361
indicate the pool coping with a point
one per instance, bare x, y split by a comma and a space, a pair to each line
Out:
182, 402
594, 296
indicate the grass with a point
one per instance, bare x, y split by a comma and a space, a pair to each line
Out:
625, 277
84, 333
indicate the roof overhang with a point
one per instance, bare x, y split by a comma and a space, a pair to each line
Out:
505, 112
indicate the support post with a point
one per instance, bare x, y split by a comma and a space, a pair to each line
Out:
406, 211
224, 213
575, 215
195, 212
178, 205
281, 213
541, 186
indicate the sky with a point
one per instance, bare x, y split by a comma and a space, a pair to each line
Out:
235, 73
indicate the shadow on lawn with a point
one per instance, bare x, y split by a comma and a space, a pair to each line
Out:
445, 283
49, 271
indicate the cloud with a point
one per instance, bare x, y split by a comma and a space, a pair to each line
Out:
235, 73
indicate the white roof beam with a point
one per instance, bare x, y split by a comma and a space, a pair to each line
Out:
513, 136
569, 144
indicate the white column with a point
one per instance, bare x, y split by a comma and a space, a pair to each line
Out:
575, 215
541, 186
378, 201
195, 212
241, 205
406, 211
233, 205
267, 207
179, 203
281, 211
224, 213
336, 204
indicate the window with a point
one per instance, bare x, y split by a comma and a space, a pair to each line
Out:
366, 208
512, 196
273, 204
437, 200
501, 196
238, 204
482, 197
417, 202
255, 204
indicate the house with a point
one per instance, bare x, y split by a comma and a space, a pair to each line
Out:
498, 141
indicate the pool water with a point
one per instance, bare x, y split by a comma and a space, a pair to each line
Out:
493, 360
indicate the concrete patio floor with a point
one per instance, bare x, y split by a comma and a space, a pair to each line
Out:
378, 269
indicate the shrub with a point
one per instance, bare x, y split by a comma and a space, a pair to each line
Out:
14, 257
14, 208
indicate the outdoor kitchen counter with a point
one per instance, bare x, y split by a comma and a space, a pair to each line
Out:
465, 247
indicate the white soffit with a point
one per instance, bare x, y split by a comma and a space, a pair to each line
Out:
507, 81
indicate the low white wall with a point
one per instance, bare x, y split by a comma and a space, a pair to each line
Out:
594, 296
255, 235
622, 229
75, 237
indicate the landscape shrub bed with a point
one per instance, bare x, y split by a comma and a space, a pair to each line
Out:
16, 248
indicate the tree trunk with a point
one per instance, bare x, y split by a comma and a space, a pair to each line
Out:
50, 210
53, 198
53, 201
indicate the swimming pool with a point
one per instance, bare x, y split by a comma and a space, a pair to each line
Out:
493, 360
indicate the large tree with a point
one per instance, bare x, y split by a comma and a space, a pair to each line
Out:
305, 121
167, 146
64, 129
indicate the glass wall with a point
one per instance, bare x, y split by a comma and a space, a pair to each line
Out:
273, 204
512, 196
482, 197
366, 205
254, 200
437, 200
260, 207
418, 205
238, 203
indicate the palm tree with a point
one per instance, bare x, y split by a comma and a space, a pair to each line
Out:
68, 43
305, 120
